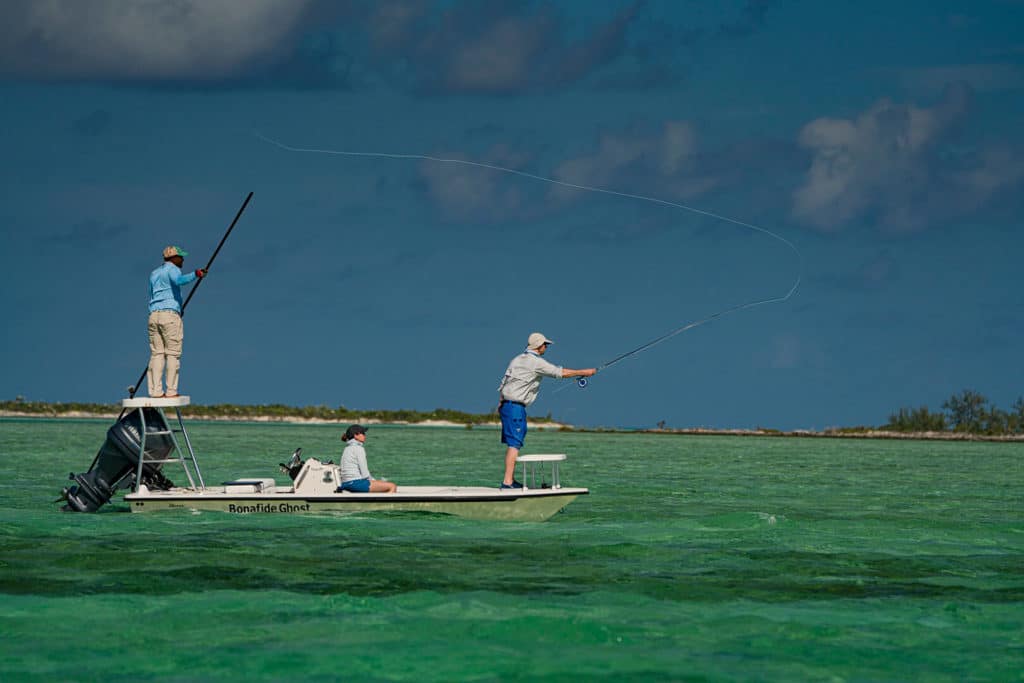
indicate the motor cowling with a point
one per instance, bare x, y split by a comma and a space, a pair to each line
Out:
116, 464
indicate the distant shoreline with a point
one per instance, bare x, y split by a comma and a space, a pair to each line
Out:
555, 426
845, 434
283, 419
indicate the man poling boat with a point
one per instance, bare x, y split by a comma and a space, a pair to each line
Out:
165, 327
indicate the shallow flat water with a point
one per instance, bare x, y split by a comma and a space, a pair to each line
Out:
694, 558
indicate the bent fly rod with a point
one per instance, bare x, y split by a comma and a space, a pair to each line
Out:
132, 390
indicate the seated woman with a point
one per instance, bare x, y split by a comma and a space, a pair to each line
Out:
355, 476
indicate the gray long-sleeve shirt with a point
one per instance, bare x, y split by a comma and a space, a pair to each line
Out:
353, 462
522, 378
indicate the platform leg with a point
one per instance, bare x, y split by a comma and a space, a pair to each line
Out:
142, 448
191, 453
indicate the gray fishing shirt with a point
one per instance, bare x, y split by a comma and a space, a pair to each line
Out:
521, 382
353, 462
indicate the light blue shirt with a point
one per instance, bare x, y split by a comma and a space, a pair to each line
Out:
165, 287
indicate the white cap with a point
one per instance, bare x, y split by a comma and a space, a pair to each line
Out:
536, 340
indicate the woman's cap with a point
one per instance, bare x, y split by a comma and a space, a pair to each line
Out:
351, 432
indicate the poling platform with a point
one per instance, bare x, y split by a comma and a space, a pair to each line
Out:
149, 402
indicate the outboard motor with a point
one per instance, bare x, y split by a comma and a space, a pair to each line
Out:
117, 463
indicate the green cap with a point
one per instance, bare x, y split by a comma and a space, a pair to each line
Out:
174, 251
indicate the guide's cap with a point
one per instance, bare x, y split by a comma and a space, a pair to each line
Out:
174, 251
537, 340
351, 432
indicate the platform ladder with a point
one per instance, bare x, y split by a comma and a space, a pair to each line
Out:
167, 429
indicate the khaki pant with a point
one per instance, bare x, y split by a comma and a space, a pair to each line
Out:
166, 333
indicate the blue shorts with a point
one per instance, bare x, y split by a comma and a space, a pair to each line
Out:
513, 423
355, 486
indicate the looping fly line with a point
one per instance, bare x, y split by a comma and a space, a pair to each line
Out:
582, 381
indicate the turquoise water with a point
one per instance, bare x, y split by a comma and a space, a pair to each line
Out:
694, 558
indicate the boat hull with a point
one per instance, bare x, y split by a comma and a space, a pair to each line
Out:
529, 505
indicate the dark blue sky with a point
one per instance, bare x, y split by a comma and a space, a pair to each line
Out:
884, 140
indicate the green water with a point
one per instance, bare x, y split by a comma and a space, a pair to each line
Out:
694, 558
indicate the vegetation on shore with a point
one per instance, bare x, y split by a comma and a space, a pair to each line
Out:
965, 414
275, 411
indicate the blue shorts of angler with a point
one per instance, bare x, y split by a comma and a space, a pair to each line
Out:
513, 423
355, 486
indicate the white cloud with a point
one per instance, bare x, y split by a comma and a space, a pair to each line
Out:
662, 163
141, 39
471, 193
465, 46
501, 57
893, 165
490, 47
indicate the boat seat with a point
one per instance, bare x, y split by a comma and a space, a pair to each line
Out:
532, 460
255, 485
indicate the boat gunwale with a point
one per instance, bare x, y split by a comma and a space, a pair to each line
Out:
355, 497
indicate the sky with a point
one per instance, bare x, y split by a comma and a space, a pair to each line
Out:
882, 141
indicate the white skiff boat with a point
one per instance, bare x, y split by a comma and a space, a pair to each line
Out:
144, 430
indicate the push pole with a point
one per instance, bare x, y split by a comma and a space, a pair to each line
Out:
132, 390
